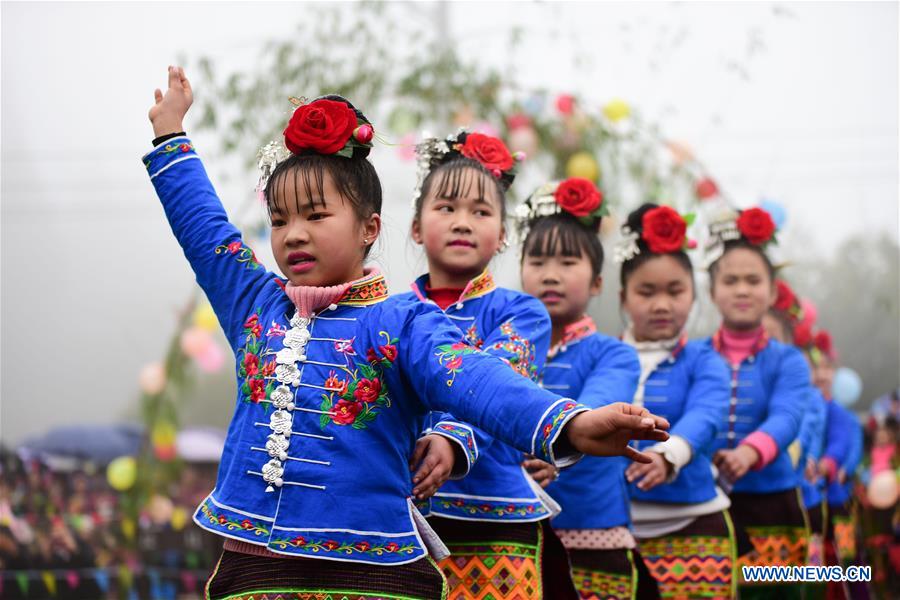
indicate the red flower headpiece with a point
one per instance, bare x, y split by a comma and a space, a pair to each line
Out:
756, 226
662, 230
580, 198
803, 337
327, 126
787, 302
823, 342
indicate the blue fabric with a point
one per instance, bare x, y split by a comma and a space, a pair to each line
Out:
344, 492
516, 328
769, 394
844, 444
811, 438
596, 370
690, 389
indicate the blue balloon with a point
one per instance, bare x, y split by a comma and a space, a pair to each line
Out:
847, 386
534, 104
776, 210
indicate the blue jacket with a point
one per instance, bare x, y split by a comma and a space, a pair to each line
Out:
597, 370
768, 394
844, 444
515, 327
329, 407
811, 439
691, 389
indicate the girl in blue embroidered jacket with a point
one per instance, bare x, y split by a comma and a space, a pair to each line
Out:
332, 375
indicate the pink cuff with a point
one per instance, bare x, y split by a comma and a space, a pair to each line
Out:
831, 466
764, 445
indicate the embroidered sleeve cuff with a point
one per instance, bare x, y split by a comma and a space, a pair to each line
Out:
544, 439
677, 453
167, 153
464, 438
764, 445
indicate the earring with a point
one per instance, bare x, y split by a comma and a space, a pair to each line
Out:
504, 246
366, 241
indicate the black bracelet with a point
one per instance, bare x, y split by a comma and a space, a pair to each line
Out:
168, 136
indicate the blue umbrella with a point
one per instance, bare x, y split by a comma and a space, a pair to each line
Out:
97, 443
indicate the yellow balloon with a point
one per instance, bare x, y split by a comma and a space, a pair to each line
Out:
205, 318
616, 110
128, 528
163, 434
121, 473
582, 164
179, 518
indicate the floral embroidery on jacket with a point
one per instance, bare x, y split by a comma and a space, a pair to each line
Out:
361, 547
521, 349
473, 338
257, 385
355, 400
493, 508
231, 523
243, 253
451, 357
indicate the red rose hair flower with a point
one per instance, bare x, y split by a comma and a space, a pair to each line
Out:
322, 125
803, 335
578, 196
489, 151
824, 343
664, 230
786, 298
756, 225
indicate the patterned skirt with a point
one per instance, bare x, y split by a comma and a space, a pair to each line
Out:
618, 574
502, 561
771, 529
841, 533
696, 561
241, 576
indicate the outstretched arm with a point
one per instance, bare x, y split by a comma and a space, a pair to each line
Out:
168, 110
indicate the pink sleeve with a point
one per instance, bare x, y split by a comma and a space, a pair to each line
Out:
764, 445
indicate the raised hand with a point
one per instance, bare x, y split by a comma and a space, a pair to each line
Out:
168, 110
607, 431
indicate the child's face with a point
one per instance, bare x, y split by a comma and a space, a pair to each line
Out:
565, 284
462, 233
320, 244
658, 296
742, 289
775, 329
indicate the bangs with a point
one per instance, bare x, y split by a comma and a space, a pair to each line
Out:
460, 178
307, 172
547, 238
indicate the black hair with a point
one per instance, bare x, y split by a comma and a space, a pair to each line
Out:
355, 177
563, 233
742, 243
635, 223
451, 167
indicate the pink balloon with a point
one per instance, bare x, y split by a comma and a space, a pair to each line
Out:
406, 148
211, 360
485, 128
195, 341
810, 313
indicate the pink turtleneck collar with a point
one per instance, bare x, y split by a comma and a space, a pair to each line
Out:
309, 299
735, 345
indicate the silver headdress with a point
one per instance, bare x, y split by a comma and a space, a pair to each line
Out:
627, 247
428, 151
722, 230
268, 157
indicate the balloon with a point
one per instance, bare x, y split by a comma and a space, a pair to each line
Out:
464, 117
165, 453
681, 152
212, 359
616, 110
534, 104
810, 312
707, 188
582, 164
205, 318
195, 341
776, 211
121, 473
523, 139
883, 489
128, 528
163, 434
160, 509
565, 104
152, 379
406, 149
847, 386
179, 518
517, 120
